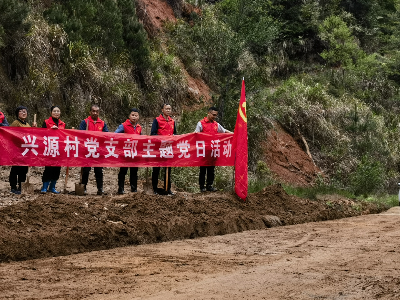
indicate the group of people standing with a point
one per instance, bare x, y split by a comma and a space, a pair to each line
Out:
162, 125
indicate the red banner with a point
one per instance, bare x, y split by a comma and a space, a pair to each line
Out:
240, 148
78, 148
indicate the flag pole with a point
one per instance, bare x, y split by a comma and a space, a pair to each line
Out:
233, 178
234, 166
240, 141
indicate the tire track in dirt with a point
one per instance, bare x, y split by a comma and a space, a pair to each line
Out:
353, 258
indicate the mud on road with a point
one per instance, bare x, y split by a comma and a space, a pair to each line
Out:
170, 254
38, 226
352, 258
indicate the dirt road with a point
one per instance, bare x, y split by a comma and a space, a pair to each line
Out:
353, 258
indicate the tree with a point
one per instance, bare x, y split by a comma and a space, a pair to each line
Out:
134, 35
97, 23
342, 49
12, 15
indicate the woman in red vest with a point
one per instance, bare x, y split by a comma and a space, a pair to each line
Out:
51, 174
163, 125
210, 126
130, 126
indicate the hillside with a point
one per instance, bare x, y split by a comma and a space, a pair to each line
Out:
326, 72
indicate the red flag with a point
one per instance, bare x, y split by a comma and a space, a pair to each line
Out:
240, 146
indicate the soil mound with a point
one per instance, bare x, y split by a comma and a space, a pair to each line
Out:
154, 14
287, 160
54, 225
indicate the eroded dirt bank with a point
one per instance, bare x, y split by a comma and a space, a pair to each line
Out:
352, 258
54, 225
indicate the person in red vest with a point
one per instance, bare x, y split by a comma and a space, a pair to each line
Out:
95, 124
163, 125
210, 126
130, 126
52, 174
3, 120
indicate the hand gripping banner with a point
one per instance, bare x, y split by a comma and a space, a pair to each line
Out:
77, 148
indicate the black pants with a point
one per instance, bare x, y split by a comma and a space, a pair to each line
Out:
51, 174
17, 175
154, 178
210, 170
98, 174
132, 176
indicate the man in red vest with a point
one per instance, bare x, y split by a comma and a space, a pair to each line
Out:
210, 126
163, 125
95, 124
130, 126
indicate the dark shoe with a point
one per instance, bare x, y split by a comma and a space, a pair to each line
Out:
120, 191
133, 189
210, 188
155, 192
15, 191
100, 192
203, 190
170, 193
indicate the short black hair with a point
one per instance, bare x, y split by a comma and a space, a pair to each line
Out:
164, 105
94, 105
212, 108
135, 110
53, 107
18, 109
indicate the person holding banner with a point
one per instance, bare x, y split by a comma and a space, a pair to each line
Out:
3, 120
210, 126
163, 125
93, 123
18, 173
130, 126
52, 174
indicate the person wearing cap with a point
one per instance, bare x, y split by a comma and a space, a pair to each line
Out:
95, 124
130, 126
163, 125
210, 126
52, 174
3, 120
18, 173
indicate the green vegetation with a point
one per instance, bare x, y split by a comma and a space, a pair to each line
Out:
12, 16
328, 70
313, 192
383, 200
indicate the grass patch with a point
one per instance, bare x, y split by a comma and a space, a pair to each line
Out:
382, 200
386, 201
312, 192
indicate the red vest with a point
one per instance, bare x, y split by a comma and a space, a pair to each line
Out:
1, 117
165, 127
129, 128
50, 123
208, 126
95, 126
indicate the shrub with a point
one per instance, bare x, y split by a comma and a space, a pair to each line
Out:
110, 25
12, 16
368, 177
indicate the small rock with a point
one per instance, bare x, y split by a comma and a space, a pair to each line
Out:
271, 221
